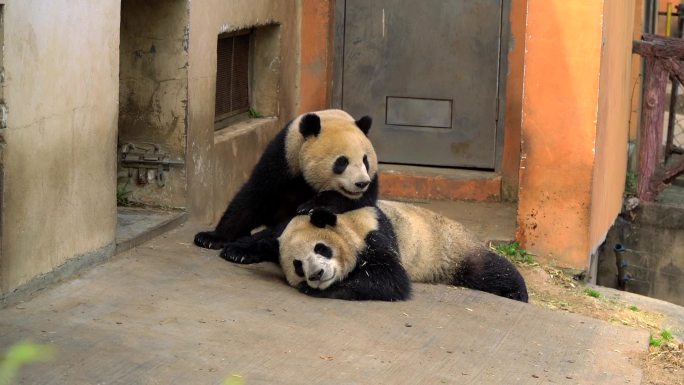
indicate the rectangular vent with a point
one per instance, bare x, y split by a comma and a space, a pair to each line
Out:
417, 112
232, 75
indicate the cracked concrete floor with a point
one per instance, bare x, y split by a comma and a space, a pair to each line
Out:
168, 312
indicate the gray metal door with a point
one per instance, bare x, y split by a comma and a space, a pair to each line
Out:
428, 73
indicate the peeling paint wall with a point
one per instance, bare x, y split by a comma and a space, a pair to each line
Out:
61, 90
154, 91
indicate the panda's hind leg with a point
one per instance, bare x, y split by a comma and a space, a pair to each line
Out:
487, 271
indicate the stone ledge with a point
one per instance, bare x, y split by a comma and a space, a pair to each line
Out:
69, 269
437, 183
242, 127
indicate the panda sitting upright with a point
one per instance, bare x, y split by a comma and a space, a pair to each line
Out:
373, 253
325, 154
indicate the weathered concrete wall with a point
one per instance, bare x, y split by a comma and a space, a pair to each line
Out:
651, 262
61, 90
219, 162
154, 89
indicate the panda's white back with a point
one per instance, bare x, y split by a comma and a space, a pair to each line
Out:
431, 246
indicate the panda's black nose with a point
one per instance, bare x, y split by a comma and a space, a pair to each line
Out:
316, 276
361, 184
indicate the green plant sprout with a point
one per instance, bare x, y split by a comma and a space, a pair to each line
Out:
665, 336
515, 253
122, 191
592, 293
21, 354
234, 379
254, 113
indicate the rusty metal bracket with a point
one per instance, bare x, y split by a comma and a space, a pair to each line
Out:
148, 161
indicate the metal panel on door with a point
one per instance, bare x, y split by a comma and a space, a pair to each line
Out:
427, 72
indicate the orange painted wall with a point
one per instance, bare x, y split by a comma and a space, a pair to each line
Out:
315, 55
575, 124
615, 89
635, 80
559, 113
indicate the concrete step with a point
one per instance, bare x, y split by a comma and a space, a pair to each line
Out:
137, 225
415, 182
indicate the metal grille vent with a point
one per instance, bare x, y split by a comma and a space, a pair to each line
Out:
232, 75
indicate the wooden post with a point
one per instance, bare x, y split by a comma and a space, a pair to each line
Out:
661, 56
651, 133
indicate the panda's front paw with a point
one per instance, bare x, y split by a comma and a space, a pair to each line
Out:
330, 200
304, 288
306, 207
209, 240
238, 254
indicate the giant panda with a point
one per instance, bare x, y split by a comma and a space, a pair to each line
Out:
373, 253
322, 158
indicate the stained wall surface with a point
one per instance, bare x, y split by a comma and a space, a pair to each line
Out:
61, 91
288, 79
61, 88
154, 92
574, 125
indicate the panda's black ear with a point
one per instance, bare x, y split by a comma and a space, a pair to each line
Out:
310, 125
365, 124
323, 217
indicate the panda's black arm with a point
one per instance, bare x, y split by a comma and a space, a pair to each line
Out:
338, 203
378, 276
372, 282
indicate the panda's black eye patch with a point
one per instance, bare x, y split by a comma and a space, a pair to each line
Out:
340, 165
323, 250
299, 269
365, 162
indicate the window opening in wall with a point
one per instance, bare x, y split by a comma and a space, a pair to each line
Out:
232, 76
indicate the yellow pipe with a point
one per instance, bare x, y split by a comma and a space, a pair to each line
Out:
668, 20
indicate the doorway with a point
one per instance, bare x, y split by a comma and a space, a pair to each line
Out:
153, 94
429, 73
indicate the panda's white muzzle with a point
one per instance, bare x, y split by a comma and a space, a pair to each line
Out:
318, 272
355, 182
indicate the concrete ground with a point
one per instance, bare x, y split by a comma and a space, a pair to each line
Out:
167, 312
137, 225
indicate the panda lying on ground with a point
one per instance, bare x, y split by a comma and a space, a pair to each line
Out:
325, 152
373, 253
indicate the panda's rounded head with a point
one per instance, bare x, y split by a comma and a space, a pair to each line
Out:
335, 153
318, 250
